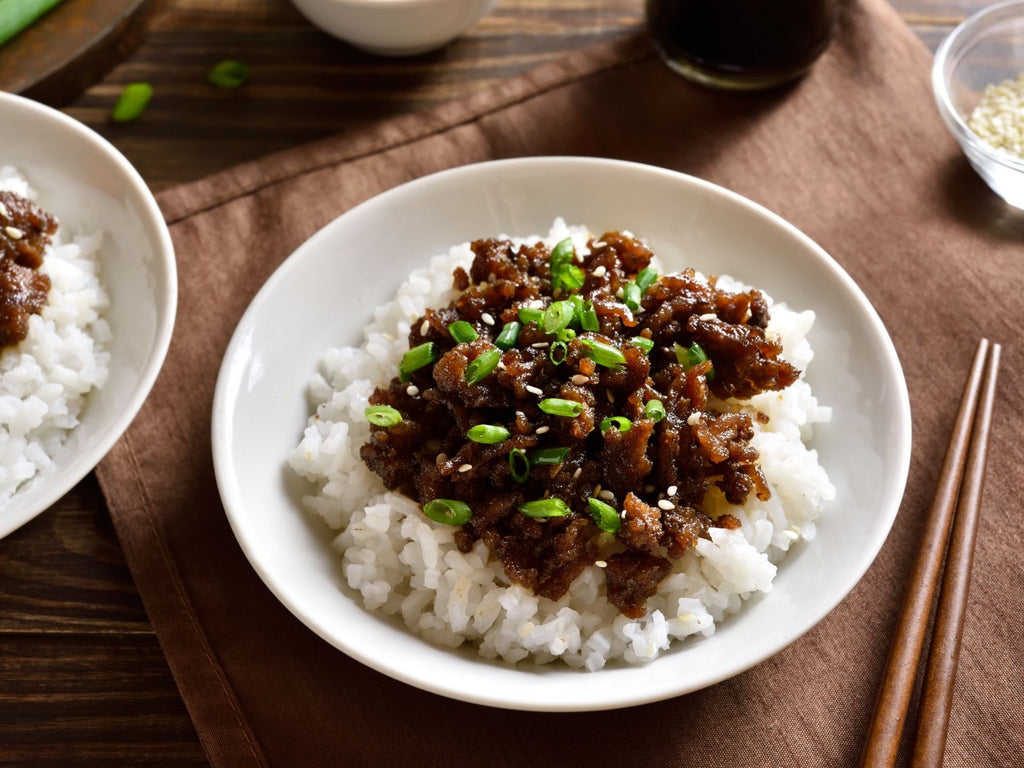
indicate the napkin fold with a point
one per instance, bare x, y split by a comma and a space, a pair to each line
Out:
855, 155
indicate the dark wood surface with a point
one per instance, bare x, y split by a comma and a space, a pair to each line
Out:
82, 678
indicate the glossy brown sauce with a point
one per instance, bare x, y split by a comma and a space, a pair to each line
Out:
25, 233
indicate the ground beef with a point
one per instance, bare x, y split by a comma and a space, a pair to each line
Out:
676, 339
25, 233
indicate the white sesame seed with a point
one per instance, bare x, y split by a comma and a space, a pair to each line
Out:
601, 563
708, 316
412, 390
465, 467
579, 379
520, 415
501, 365
534, 390
577, 473
619, 293
441, 458
536, 304
600, 271
666, 504
540, 344
14, 233
597, 489
487, 318
424, 327
598, 244
610, 395
693, 419
4, 212
671, 490
543, 430
607, 495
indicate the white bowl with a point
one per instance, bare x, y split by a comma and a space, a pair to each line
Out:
340, 274
90, 186
395, 27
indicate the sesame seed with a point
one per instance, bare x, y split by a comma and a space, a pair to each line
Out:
577, 473
412, 390
671, 490
542, 430
619, 293
534, 390
520, 415
607, 495
14, 233
597, 489
465, 467
488, 318
4, 212
601, 563
501, 365
600, 271
693, 419
708, 316
598, 244
424, 327
540, 344
536, 304
441, 458
579, 379
610, 395
665, 504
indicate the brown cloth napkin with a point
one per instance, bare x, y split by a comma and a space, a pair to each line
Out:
855, 155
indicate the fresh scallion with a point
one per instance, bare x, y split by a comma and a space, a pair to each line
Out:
621, 423
382, 415
448, 511
604, 354
566, 335
132, 102
416, 358
229, 73
605, 516
557, 352
643, 342
18, 15
462, 332
690, 356
563, 251
509, 335
631, 295
531, 315
565, 274
588, 318
488, 434
545, 508
648, 276
557, 406
557, 316
654, 410
549, 457
518, 465
482, 365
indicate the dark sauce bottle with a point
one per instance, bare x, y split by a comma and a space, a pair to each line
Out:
741, 44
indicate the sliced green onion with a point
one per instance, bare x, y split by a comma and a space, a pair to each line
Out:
605, 516
488, 434
621, 423
557, 406
132, 102
588, 318
548, 457
416, 358
654, 410
558, 351
567, 276
631, 295
509, 335
643, 342
480, 368
604, 354
448, 511
648, 276
563, 251
557, 316
17, 16
531, 315
462, 332
518, 465
566, 334
382, 415
230, 73
545, 508
689, 356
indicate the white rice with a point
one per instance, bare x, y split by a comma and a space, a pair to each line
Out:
401, 563
44, 380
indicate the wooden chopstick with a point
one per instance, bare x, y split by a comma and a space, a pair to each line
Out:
886, 727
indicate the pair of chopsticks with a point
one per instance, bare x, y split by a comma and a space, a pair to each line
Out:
959, 490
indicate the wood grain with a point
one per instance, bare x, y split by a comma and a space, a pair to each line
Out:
82, 678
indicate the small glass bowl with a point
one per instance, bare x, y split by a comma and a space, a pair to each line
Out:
986, 48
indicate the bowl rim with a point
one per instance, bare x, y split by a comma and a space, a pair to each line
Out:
957, 42
81, 464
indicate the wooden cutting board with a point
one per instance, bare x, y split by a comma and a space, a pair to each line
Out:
72, 47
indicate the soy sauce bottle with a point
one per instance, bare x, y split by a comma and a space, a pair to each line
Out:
741, 44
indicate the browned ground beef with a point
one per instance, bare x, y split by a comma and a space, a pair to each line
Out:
25, 232
654, 474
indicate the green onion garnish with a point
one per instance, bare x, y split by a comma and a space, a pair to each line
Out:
621, 423
545, 508
229, 73
557, 406
557, 316
548, 457
480, 368
509, 335
17, 16
448, 511
643, 342
565, 274
563, 251
588, 318
648, 276
416, 358
382, 415
518, 465
558, 351
132, 102
605, 516
488, 434
462, 332
654, 410
531, 315
604, 354
689, 356
566, 334
631, 295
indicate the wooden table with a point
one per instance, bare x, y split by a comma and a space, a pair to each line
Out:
82, 677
